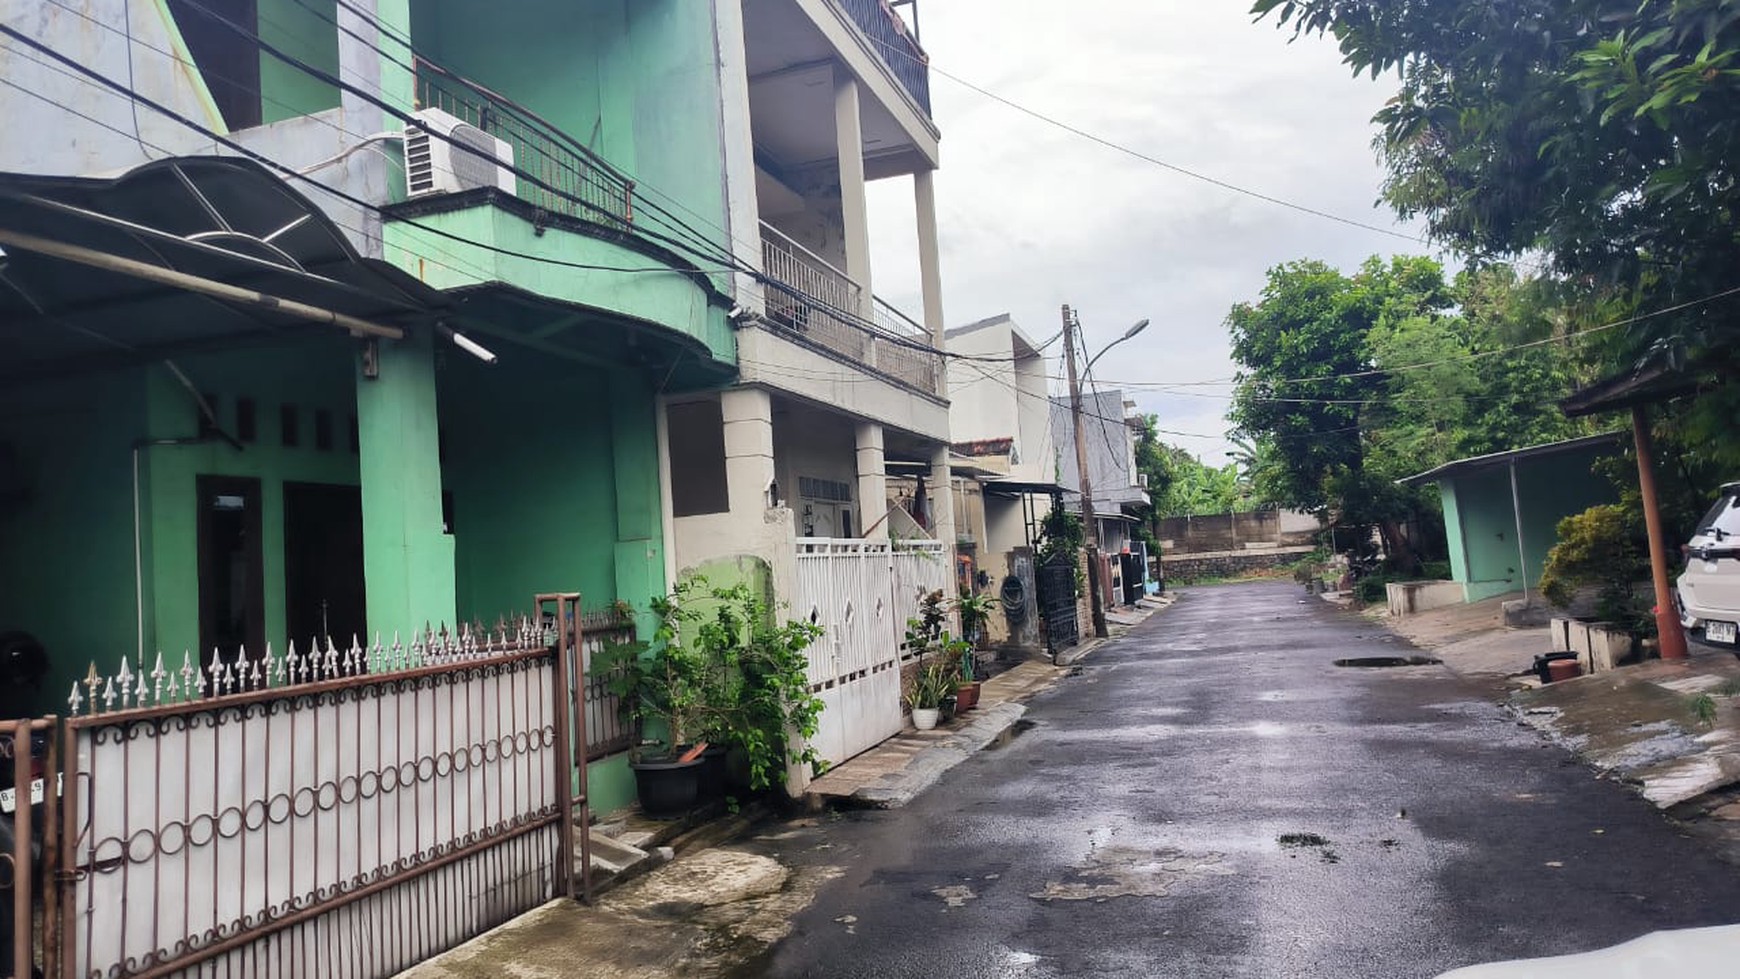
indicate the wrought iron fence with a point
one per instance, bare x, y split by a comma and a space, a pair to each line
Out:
575, 183
607, 730
896, 45
333, 813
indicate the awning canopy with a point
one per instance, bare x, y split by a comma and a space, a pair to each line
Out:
1017, 487
1650, 385
1462, 467
215, 219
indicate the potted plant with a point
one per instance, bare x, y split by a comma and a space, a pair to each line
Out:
757, 684
724, 680
933, 683
934, 686
975, 611
662, 682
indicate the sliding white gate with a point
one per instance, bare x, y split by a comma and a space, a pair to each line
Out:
861, 592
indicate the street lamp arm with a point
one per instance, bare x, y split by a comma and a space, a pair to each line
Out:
1132, 331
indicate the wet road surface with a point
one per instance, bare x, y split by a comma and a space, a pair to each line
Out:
1212, 797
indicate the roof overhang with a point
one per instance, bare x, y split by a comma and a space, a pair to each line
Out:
1650, 385
177, 255
1463, 467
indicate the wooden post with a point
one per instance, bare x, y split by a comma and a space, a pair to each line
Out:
1667, 616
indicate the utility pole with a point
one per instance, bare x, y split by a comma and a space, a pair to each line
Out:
1090, 527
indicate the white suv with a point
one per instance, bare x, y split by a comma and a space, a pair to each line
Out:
1710, 586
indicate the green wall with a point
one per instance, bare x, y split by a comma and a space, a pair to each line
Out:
1480, 517
673, 301
553, 472
636, 81
302, 29
316, 375
528, 469
66, 525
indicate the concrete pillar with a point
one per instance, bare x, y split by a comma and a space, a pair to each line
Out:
639, 551
742, 207
872, 483
929, 263
942, 500
854, 208
407, 558
748, 423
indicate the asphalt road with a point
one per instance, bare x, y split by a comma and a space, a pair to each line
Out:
1213, 797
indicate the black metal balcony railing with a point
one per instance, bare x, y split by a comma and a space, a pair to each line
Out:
899, 49
574, 182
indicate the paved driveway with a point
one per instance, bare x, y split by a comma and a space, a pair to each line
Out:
1213, 797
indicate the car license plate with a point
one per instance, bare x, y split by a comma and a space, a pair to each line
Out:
9, 796
1721, 632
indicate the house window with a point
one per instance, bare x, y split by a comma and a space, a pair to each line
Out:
697, 443
246, 425
289, 426
248, 84
323, 430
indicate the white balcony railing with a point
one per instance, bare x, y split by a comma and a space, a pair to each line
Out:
811, 298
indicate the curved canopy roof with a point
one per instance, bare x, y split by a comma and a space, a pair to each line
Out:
221, 219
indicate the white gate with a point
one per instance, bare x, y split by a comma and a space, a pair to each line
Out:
861, 592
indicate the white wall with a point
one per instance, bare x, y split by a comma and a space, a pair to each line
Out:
773, 361
1006, 398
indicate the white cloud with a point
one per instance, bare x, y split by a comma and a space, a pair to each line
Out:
1032, 217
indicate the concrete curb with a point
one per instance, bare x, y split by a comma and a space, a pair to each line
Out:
896, 789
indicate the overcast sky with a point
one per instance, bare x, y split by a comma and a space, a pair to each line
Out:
1033, 217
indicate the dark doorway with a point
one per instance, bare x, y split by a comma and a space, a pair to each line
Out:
324, 595
232, 605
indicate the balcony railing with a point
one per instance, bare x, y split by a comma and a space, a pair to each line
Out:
575, 182
812, 299
900, 355
894, 42
816, 296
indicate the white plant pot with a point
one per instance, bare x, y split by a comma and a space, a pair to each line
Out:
925, 718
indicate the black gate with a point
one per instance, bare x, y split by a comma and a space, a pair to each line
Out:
1057, 602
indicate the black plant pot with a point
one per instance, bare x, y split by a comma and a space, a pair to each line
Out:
710, 784
667, 787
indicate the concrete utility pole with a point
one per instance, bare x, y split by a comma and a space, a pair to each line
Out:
1090, 528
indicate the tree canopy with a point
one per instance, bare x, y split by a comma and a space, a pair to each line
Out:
1348, 383
1600, 135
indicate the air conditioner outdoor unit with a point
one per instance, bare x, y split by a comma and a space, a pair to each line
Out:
435, 163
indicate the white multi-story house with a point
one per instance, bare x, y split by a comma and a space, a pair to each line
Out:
782, 479
1000, 413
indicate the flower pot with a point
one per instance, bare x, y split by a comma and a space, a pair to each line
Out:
947, 707
667, 787
924, 718
966, 697
710, 783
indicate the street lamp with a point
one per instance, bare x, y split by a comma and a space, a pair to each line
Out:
1090, 526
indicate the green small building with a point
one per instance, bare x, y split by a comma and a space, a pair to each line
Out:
1502, 511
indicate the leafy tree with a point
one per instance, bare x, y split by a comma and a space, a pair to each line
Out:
1602, 135
1308, 375
1349, 383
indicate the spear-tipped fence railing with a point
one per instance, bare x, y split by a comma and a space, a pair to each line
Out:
325, 811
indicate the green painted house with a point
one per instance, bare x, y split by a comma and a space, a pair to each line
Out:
1502, 511
516, 213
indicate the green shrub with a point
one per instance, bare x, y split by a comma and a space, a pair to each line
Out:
1601, 547
1373, 589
